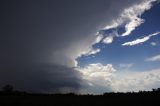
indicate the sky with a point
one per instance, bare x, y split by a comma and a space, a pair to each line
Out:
83, 46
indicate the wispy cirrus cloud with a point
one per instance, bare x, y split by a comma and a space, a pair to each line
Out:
125, 66
140, 40
154, 58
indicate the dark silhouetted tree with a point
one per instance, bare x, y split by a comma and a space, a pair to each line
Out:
8, 88
156, 90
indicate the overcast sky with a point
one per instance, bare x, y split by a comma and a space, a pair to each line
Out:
82, 46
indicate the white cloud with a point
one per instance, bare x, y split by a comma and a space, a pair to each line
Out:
98, 38
108, 40
136, 81
154, 34
125, 66
98, 77
91, 51
93, 69
153, 43
140, 40
132, 25
137, 41
130, 17
110, 36
104, 78
154, 58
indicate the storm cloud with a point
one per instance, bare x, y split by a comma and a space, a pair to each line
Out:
41, 39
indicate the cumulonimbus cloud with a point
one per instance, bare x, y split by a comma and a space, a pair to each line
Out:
53, 33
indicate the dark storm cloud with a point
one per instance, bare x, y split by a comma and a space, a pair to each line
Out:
41, 78
49, 32
33, 30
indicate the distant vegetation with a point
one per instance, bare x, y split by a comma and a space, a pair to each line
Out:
9, 96
9, 89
